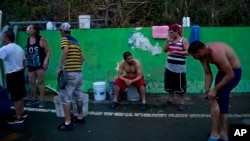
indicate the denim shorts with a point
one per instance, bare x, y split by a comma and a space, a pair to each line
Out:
73, 88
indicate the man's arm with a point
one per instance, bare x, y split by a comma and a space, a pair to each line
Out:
166, 45
44, 44
139, 72
64, 56
82, 58
120, 71
208, 75
24, 64
224, 65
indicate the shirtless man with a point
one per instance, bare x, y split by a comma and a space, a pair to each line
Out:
228, 76
134, 76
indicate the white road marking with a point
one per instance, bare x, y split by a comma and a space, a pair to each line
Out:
145, 115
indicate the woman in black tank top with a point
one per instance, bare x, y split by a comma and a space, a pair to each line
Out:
37, 54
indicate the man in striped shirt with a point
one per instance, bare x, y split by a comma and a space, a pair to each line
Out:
175, 69
71, 62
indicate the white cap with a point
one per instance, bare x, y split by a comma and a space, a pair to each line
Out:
65, 26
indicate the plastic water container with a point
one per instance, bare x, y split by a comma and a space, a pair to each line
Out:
188, 21
49, 26
132, 94
99, 90
85, 107
59, 106
184, 22
84, 21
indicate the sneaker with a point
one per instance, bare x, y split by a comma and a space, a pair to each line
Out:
76, 120
24, 115
144, 107
14, 120
167, 103
41, 104
181, 107
64, 127
32, 102
113, 105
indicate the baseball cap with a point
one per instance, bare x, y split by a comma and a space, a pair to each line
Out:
65, 26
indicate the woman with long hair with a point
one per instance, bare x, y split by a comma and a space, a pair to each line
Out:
37, 53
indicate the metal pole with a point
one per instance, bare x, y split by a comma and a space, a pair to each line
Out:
1, 13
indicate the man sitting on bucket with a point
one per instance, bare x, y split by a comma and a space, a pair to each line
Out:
134, 76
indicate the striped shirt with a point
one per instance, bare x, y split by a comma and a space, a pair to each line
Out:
176, 62
73, 59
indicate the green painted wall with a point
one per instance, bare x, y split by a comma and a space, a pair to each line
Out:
103, 49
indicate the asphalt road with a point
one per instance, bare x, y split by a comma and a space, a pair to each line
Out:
127, 122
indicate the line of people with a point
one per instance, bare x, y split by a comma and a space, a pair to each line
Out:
38, 53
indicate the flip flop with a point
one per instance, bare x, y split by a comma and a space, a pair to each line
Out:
209, 138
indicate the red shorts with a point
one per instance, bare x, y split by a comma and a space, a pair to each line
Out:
123, 85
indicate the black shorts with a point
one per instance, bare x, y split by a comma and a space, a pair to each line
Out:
174, 82
16, 85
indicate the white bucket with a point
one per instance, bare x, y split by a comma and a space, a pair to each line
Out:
59, 106
99, 90
84, 21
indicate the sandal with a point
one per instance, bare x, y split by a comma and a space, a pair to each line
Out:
209, 138
167, 103
76, 120
182, 107
64, 127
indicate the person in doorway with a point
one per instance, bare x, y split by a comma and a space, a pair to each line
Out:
14, 64
175, 70
134, 76
37, 53
228, 76
71, 62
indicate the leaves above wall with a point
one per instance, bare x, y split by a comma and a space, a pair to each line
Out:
130, 13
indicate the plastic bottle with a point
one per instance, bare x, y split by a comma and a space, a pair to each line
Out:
49, 26
188, 21
184, 22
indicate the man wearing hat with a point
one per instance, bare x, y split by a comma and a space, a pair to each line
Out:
71, 62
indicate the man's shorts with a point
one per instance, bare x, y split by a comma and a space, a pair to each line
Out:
223, 94
174, 82
16, 85
123, 85
73, 88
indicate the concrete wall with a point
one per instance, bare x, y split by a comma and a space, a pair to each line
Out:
103, 49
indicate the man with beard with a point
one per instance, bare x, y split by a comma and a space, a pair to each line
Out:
134, 76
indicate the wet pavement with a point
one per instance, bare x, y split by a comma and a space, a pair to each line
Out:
127, 122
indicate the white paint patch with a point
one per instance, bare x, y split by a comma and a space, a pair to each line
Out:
145, 115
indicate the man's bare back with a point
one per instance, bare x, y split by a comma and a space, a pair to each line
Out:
221, 54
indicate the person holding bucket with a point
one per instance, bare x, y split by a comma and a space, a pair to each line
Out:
71, 62
134, 76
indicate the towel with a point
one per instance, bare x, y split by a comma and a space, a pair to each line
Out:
160, 32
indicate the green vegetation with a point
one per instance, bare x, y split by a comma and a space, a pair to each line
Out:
130, 13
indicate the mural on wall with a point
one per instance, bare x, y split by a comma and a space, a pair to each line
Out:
138, 40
